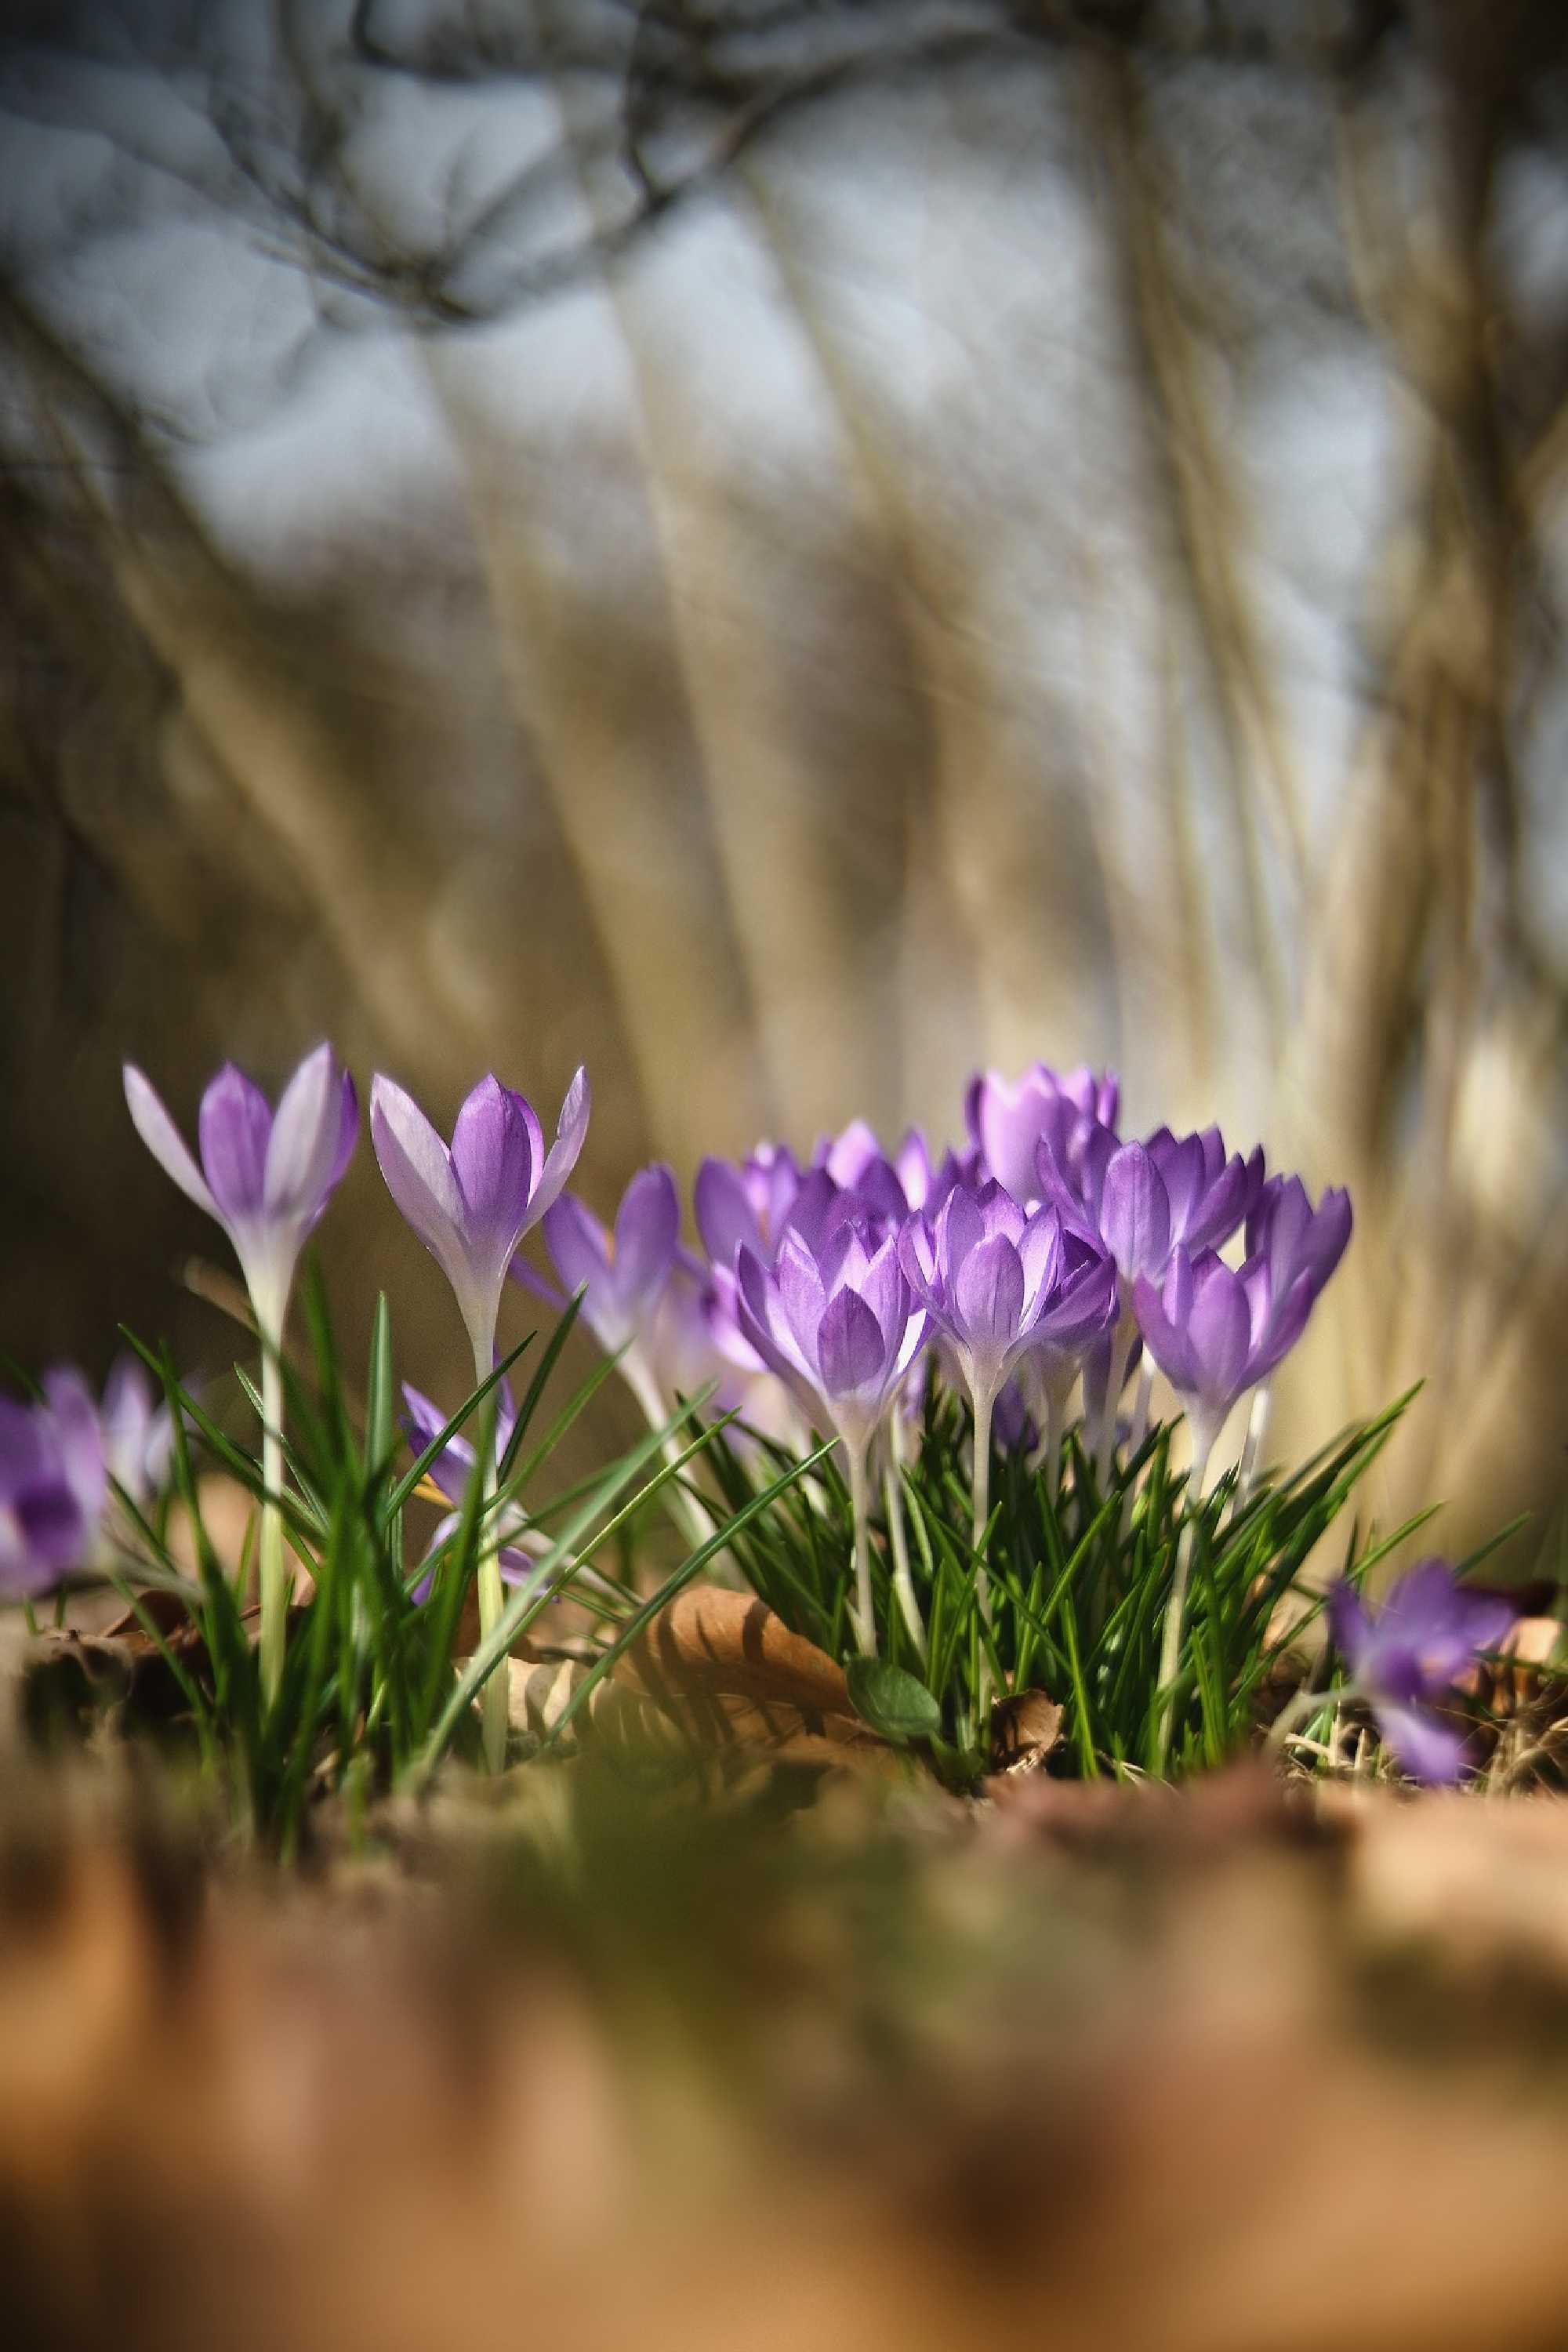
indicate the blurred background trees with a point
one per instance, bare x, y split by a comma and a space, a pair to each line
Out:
790, 548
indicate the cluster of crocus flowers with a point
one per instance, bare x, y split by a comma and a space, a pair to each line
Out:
1042, 1258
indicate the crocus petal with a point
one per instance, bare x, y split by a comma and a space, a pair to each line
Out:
561, 1157
1218, 1331
852, 1350
422, 1425
647, 1227
988, 1296
725, 1217
415, 1162
492, 1162
1348, 1623
164, 1141
74, 1419
234, 1128
579, 1251
1165, 1336
801, 1296
1420, 1745
304, 1147
1135, 1213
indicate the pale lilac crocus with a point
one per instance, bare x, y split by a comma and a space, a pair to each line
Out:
53, 1486
841, 1328
470, 1204
473, 1202
1413, 1651
622, 1273
266, 1176
138, 1430
1215, 1333
999, 1285
1295, 1239
1139, 1202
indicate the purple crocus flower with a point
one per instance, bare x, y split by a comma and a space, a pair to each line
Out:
1007, 1122
746, 1202
841, 1329
1215, 1333
1139, 1200
1001, 1286
266, 1176
623, 1274
451, 1473
1295, 1239
53, 1485
138, 1430
1000, 1282
1427, 1632
472, 1203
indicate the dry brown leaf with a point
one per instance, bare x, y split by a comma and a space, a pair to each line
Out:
1025, 1727
725, 1671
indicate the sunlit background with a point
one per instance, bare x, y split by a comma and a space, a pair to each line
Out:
791, 551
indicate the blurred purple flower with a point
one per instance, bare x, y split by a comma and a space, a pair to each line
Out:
746, 1202
452, 1469
266, 1176
1428, 1631
1215, 1333
471, 1205
53, 1485
622, 1275
138, 1430
1008, 1122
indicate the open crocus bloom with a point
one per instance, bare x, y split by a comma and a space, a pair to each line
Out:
1001, 1283
841, 1329
472, 1203
266, 1176
1427, 1632
1215, 1333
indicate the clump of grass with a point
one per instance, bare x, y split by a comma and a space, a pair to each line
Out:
369, 1697
1080, 1577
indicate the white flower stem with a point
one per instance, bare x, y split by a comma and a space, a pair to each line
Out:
1176, 1606
860, 1499
1139, 1430
898, 1537
985, 1403
1302, 1706
1257, 1436
493, 1702
277, 1584
1121, 1340
695, 1519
